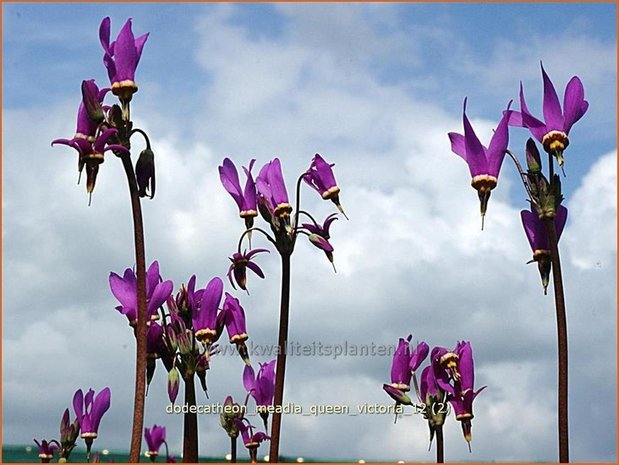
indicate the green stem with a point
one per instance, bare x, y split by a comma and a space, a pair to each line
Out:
190, 426
281, 357
140, 347
557, 279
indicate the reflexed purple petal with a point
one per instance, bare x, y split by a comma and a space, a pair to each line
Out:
574, 104
104, 34
321, 242
457, 144
249, 193
230, 180
327, 224
560, 220
498, 145
100, 406
255, 268
537, 127
466, 366
249, 378
160, 295
78, 405
253, 252
552, 108
419, 355
475, 151
531, 222
124, 289
276, 182
152, 278
139, 46
312, 228
400, 371
103, 138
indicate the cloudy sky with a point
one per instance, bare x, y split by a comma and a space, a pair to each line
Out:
374, 88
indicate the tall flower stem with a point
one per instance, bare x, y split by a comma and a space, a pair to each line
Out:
281, 357
232, 450
190, 425
439, 444
557, 280
140, 347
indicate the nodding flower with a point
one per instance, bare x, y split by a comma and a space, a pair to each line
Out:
484, 163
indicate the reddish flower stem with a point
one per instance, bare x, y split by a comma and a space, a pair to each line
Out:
140, 347
439, 444
280, 366
190, 425
232, 450
557, 280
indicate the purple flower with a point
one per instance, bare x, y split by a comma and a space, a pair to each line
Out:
47, 449
246, 199
319, 235
262, 386
272, 189
484, 163
121, 58
464, 394
418, 355
428, 387
125, 290
89, 410
400, 367
538, 239
251, 440
154, 437
240, 263
233, 316
553, 131
320, 177
91, 153
397, 394
205, 323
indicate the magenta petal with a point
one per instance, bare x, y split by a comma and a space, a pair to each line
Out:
100, 406
560, 220
419, 355
552, 108
152, 278
125, 54
498, 145
104, 34
574, 104
457, 144
230, 180
248, 378
530, 223
139, 46
475, 152
124, 289
78, 405
255, 268
160, 294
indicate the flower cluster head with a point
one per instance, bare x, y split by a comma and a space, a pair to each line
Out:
554, 130
47, 449
261, 387
155, 438
125, 290
89, 411
121, 58
320, 176
239, 265
537, 235
484, 163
